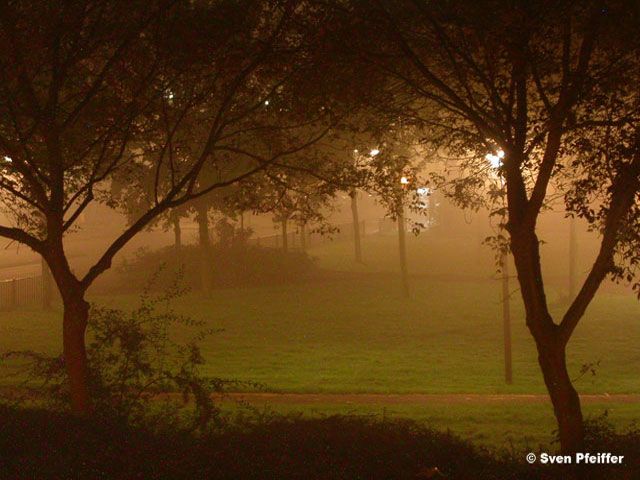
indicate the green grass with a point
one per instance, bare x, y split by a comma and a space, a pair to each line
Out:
358, 334
516, 428
354, 332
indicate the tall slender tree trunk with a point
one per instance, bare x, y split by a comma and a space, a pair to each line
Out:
205, 248
285, 242
356, 226
177, 233
402, 247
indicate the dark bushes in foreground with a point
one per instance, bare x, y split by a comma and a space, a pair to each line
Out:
41, 444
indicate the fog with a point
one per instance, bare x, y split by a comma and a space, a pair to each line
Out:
334, 240
450, 225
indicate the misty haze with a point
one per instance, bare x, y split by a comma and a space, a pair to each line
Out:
321, 240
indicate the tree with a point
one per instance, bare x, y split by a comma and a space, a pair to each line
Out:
535, 80
355, 216
88, 95
201, 208
290, 193
394, 176
134, 206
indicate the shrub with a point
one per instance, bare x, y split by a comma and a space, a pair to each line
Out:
602, 437
42, 444
138, 374
232, 265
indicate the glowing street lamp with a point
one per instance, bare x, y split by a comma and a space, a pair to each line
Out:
354, 213
402, 243
495, 160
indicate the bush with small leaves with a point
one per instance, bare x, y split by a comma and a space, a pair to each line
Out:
139, 374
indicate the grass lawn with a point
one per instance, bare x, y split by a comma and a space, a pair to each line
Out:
357, 334
514, 428
354, 332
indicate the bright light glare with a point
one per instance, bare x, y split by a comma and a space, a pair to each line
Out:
374, 152
424, 191
266, 102
494, 160
500, 154
355, 150
7, 159
404, 180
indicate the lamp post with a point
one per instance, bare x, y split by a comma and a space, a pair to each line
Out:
496, 162
402, 241
356, 220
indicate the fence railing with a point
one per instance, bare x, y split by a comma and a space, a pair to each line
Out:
24, 291
300, 239
21, 291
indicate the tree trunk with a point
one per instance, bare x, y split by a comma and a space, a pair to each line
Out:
74, 325
205, 249
549, 344
402, 246
356, 226
203, 228
565, 399
285, 243
506, 320
177, 233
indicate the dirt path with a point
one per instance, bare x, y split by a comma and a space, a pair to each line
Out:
389, 398
414, 398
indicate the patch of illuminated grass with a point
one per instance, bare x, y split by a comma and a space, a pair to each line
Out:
357, 334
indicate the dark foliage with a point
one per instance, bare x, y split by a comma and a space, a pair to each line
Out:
40, 444
138, 373
232, 265
600, 436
